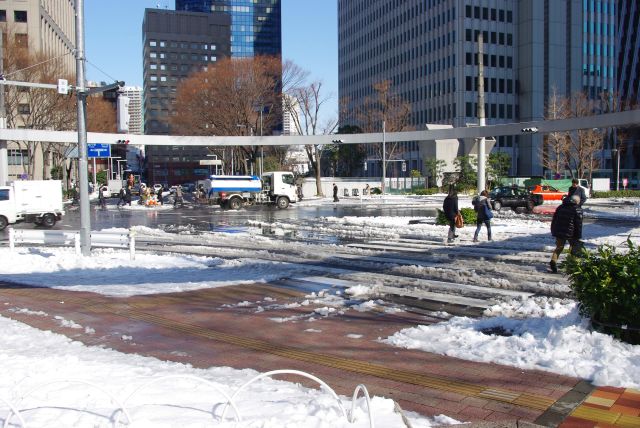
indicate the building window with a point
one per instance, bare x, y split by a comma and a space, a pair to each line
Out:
152, 43
24, 109
17, 156
3, 15
20, 16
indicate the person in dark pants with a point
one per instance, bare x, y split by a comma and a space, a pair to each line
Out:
178, 197
335, 193
101, 198
127, 195
450, 208
484, 214
159, 196
566, 225
122, 199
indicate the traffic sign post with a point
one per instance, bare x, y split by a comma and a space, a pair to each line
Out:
98, 150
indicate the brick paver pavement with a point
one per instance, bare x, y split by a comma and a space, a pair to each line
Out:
241, 327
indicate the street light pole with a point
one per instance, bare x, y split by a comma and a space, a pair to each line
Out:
85, 220
4, 151
481, 115
384, 157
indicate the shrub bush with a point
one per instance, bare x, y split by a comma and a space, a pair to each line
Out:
429, 191
607, 285
468, 215
617, 194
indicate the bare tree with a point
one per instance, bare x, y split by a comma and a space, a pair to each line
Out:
575, 151
35, 108
584, 144
304, 103
235, 97
556, 144
387, 108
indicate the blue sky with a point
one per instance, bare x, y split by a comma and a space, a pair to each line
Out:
113, 40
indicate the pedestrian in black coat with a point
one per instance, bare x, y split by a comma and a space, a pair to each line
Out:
566, 225
159, 196
335, 193
101, 198
450, 208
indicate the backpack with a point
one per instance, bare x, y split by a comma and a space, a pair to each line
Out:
474, 202
488, 214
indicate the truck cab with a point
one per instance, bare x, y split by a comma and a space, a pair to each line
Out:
38, 202
7, 207
280, 188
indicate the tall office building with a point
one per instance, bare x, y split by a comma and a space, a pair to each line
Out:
134, 94
628, 83
176, 44
42, 26
255, 24
428, 50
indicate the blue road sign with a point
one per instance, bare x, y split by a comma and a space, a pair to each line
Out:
98, 150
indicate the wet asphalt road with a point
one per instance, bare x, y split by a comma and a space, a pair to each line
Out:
211, 218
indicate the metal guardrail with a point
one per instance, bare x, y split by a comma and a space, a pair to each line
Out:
229, 400
64, 238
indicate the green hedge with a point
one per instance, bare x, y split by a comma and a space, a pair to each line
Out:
429, 191
607, 285
468, 215
617, 194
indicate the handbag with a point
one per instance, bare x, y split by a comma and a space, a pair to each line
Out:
459, 221
488, 214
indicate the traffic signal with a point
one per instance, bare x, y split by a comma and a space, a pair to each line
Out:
122, 142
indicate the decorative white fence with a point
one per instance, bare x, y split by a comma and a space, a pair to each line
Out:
121, 405
62, 238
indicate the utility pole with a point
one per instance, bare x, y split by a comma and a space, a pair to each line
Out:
85, 220
4, 157
481, 115
384, 157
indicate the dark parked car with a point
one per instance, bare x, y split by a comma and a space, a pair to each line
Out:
518, 199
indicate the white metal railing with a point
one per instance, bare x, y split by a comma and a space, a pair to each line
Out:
61, 237
121, 406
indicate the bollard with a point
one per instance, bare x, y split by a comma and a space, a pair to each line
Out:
12, 239
132, 245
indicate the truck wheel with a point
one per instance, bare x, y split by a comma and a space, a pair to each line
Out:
3, 222
282, 202
48, 220
235, 203
497, 205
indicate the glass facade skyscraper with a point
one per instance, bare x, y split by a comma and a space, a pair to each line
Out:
255, 24
598, 47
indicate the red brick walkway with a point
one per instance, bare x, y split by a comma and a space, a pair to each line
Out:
209, 328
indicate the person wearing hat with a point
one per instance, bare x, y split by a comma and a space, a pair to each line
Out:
566, 225
576, 189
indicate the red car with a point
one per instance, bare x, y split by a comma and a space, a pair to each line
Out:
548, 193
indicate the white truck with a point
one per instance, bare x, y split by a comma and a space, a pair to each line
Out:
38, 201
235, 191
